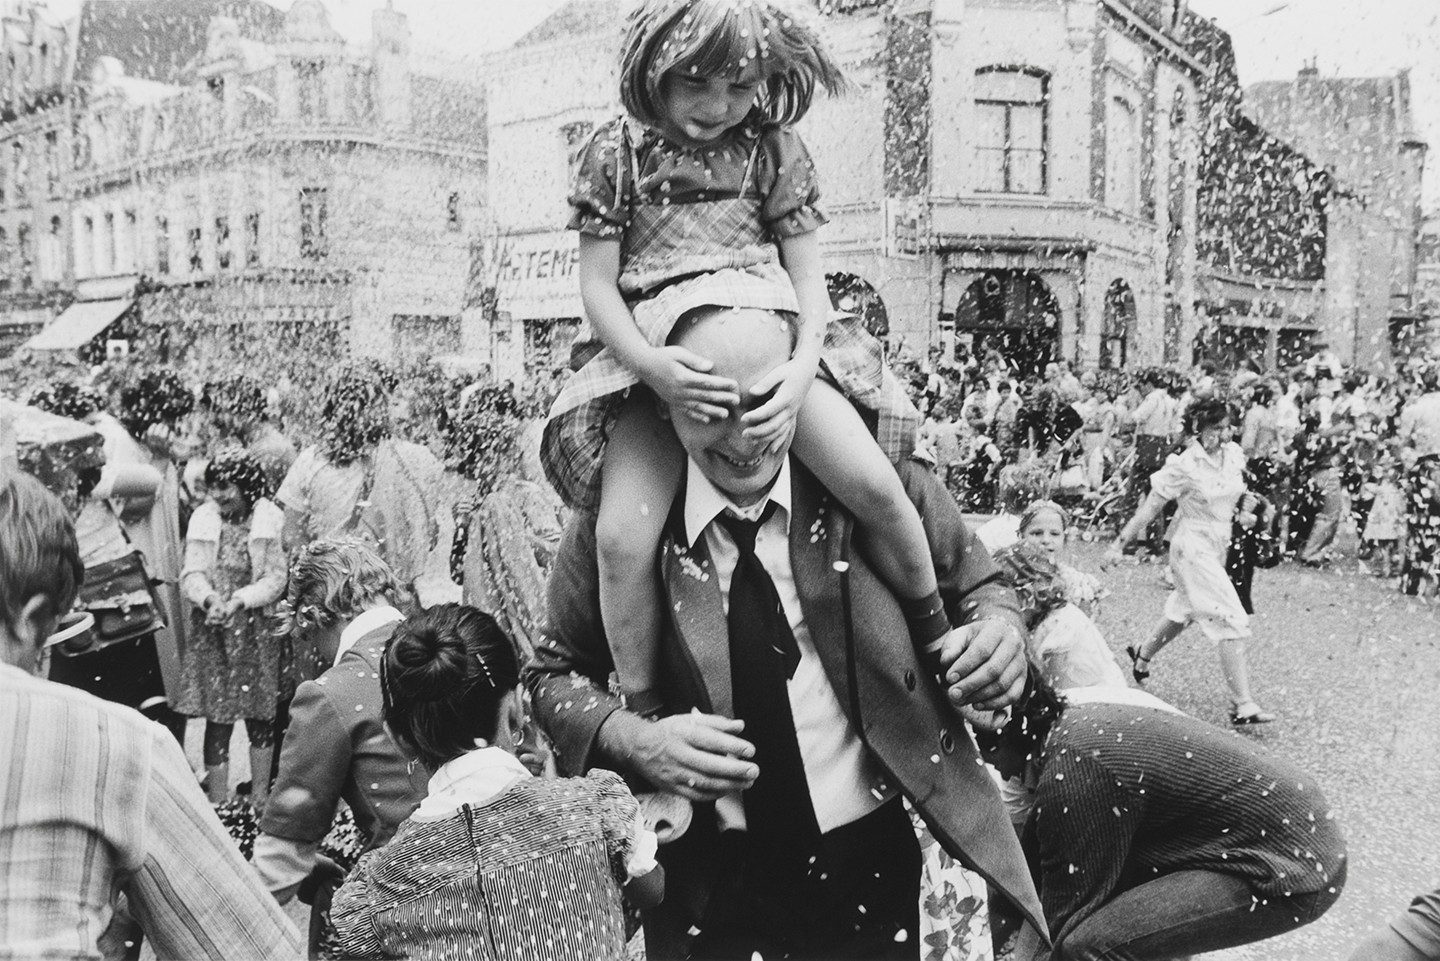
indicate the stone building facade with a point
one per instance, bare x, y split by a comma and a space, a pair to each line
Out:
35, 63
284, 198
1005, 173
1362, 130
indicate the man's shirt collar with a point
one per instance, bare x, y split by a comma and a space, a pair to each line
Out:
704, 501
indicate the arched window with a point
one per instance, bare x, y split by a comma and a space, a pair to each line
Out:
1011, 130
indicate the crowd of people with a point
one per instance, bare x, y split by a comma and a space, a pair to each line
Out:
707, 650
1326, 446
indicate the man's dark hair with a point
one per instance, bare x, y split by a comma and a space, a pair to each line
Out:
1207, 413
158, 397
66, 399
234, 465
355, 413
1021, 741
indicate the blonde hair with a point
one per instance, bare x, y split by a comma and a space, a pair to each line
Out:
331, 579
713, 38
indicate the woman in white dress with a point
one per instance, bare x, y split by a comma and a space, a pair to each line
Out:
1207, 482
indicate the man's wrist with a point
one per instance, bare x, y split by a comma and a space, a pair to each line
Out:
619, 734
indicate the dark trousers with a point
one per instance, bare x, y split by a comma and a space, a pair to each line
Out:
860, 893
1189, 912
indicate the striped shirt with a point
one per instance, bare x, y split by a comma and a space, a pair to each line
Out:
96, 800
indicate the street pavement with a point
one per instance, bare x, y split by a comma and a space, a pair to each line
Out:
1352, 667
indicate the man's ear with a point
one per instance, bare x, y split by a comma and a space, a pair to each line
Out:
25, 635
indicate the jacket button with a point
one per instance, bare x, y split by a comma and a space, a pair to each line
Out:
909, 680
947, 742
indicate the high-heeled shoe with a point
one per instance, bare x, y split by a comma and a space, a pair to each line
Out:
1136, 671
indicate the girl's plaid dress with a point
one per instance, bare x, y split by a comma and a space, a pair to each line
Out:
699, 227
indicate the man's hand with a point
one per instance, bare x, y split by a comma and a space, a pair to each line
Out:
984, 666
698, 756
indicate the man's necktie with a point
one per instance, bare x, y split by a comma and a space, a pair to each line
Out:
763, 656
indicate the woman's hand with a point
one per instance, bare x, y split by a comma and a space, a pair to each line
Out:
681, 378
773, 421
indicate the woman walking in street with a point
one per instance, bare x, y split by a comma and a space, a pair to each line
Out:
1207, 483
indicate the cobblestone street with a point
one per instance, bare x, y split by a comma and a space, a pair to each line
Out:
1353, 669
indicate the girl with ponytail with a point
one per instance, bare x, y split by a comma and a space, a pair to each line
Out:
495, 860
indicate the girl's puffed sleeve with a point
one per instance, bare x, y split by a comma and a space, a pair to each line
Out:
632, 846
790, 184
598, 193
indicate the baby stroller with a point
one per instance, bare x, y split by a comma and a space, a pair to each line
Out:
1098, 513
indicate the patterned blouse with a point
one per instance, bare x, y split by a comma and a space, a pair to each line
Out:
627, 166
533, 872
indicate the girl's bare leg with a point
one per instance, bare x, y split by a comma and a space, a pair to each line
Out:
640, 479
832, 440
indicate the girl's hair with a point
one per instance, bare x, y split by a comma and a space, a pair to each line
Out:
1037, 508
445, 672
237, 466
330, 579
720, 38
1036, 580
1206, 413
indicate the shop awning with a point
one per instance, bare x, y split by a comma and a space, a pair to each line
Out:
79, 324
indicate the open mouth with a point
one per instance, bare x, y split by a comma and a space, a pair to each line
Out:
743, 465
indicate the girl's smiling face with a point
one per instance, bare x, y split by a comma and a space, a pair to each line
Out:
1046, 532
698, 111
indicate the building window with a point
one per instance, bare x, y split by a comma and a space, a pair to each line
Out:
310, 88
314, 244
252, 240
222, 243
51, 267
162, 245
20, 173
452, 212
1122, 157
52, 162
1011, 130
197, 260
131, 244
85, 248
216, 86
26, 256
107, 246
